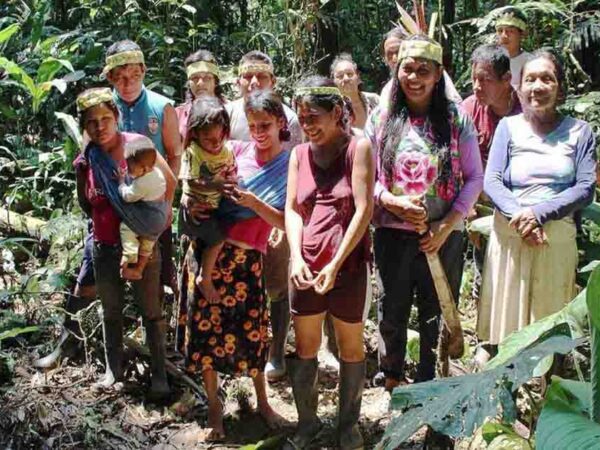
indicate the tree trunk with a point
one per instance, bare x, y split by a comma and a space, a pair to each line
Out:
327, 45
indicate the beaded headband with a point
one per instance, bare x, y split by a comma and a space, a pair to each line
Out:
120, 59
255, 67
318, 90
93, 97
420, 49
202, 66
511, 20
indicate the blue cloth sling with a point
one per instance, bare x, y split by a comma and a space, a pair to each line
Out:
269, 184
143, 218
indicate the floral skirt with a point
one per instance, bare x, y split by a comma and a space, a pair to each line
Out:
231, 336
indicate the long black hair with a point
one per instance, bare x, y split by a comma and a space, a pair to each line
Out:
396, 125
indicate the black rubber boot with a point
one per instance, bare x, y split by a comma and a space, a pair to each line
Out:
68, 344
352, 382
303, 374
155, 338
280, 324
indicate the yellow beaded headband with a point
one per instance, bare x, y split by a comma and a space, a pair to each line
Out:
420, 49
202, 66
93, 97
317, 90
120, 59
254, 67
511, 20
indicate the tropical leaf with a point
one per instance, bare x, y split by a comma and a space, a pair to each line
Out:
563, 423
593, 297
6, 33
14, 332
457, 406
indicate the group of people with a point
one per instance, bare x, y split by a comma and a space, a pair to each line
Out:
277, 202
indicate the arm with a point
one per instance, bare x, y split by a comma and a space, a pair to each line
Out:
84, 204
169, 178
363, 180
582, 192
132, 192
171, 138
493, 183
299, 272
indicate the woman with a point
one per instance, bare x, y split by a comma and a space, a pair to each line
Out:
231, 336
391, 45
429, 176
541, 170
344, 72
328, 209
202, 73
97, 190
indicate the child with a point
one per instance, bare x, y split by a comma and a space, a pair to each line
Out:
207, 163
148, 185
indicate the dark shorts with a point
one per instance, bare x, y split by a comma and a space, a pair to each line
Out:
209, 230
346, 301
86, 271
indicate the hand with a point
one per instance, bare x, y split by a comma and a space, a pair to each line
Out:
196, 209
243, 197
536, 238
410, 209
300, 274
325, 279
276, 237
435, 238
121, 175
524, 222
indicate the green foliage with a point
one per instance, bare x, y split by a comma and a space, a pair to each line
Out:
459, 405
499, 436
563, 423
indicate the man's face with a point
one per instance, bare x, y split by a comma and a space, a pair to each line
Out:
487, 87
254, 80
510, 38
128, 81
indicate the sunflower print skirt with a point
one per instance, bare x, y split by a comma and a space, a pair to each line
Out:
231, 336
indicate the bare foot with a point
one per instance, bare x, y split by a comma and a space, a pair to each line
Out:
208, 289
131, 273
273, 420
216, 429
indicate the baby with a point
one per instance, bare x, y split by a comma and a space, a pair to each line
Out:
148, 184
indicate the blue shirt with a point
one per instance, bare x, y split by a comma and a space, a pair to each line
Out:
145, 116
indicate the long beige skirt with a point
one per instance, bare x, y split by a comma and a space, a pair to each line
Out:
522, 284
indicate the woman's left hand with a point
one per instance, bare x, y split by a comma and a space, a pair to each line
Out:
435, 238
524, 222
325, 279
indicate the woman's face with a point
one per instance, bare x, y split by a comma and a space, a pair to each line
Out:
319, 125
128, 80
202, 83
100, 124
346, 78
264, 128
418, 78
540, 89
390, 51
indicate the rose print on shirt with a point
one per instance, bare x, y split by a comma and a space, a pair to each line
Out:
415, 172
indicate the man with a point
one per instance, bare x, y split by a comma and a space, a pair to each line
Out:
256, 73
493, 95
511, 27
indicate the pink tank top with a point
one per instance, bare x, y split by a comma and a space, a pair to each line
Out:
326, 205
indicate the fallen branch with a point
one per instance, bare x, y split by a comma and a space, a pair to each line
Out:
19, 223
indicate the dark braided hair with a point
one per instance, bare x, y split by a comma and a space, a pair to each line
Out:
325, 101
396, 125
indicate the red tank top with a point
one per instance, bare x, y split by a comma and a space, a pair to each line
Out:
326, 205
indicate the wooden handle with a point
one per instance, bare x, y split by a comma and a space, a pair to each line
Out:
450, 315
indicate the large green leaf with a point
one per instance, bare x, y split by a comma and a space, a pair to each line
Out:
457, 406
563, 423
593, 297
19, 74
6, 33
574, 315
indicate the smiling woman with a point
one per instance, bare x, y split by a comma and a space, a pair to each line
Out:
542, 169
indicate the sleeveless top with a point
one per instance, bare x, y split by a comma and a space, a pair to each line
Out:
326, 205
145, 116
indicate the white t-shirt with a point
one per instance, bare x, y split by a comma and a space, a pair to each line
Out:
516, 65
149, 187
239, 124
